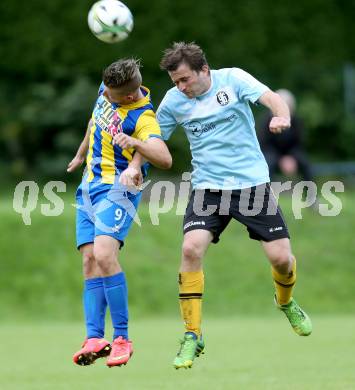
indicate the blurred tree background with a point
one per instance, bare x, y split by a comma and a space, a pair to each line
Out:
51, 68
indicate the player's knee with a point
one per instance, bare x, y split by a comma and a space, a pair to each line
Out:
89, 263
104, 259
282, 260
88, 259
191, 250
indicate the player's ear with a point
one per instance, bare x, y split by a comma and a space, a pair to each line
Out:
205, 69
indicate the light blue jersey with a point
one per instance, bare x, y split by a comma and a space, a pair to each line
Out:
220, 127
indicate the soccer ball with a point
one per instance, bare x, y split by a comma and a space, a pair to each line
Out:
110, 21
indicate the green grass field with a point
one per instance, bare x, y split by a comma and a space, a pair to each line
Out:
249, 343
46, 278
241, 353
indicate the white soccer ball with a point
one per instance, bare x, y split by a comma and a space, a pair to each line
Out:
110, 21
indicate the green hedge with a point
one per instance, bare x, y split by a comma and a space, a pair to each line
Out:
51, 67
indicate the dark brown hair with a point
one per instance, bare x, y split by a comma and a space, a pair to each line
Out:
123, 74
181, 52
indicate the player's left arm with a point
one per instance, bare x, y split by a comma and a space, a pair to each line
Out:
280, 112
147, 141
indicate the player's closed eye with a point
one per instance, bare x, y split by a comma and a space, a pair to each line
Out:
183, 80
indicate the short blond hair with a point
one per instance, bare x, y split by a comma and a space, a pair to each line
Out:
123, 74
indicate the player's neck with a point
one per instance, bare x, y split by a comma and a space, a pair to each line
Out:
138, 96
206, 85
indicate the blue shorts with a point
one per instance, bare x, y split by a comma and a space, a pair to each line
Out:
103, 209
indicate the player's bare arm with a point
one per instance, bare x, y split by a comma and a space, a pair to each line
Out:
79, 158
280, 111
153, 149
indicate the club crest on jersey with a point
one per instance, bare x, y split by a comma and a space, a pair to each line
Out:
222, 98
107, 118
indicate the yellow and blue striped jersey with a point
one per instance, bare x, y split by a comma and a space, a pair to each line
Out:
108, 119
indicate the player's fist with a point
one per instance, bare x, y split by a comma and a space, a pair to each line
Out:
75, 163
279, 123
131, 177
124, 141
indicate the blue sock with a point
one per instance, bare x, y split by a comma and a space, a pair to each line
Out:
117, 299
95, 304
194, 335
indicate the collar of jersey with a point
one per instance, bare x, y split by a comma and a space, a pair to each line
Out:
141, 102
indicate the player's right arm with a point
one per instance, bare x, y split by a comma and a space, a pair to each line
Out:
132, 175
147, 140
79, 158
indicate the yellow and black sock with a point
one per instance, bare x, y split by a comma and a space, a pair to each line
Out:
284, 284
191, 285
